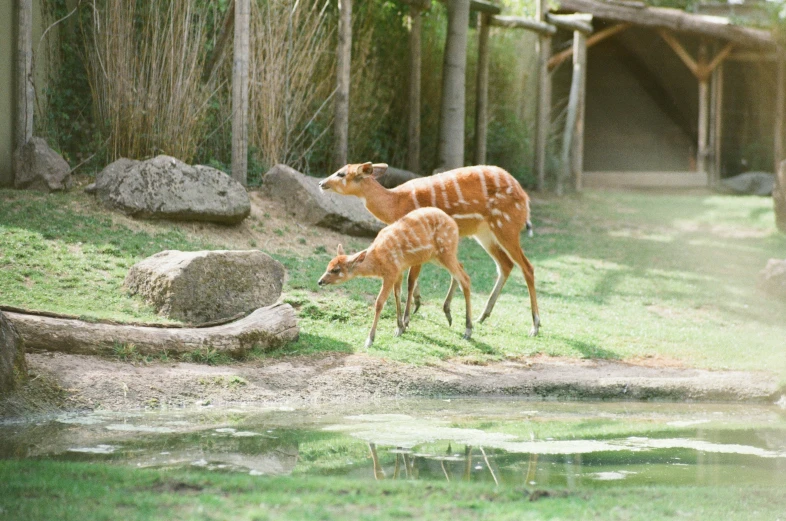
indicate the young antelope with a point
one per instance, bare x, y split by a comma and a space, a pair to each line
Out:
420, 236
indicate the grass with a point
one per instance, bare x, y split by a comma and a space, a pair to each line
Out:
620, 276
38, 490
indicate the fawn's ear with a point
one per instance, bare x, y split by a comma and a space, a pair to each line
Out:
359, 257
365, 169
340, 250
379, 169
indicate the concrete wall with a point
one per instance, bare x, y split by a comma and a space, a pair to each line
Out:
7, 89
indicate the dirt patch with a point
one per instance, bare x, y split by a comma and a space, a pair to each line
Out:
96, 383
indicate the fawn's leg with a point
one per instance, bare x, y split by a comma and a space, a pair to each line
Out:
397, 294
384, 293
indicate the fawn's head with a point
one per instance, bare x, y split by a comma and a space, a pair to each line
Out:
348, 178
341, 268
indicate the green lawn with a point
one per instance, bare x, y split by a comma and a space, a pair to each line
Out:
39, 490
619, 276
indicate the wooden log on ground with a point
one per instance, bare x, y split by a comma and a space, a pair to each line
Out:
265, 328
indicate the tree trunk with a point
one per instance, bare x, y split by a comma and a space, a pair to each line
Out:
413, 150
543, 107
451, 129
24, 71
341, 122
482, 91
266, 328
240, 92
779, 197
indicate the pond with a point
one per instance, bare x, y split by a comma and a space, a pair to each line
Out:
504, 441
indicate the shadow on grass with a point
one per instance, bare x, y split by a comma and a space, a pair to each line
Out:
589, 350
453, 346
309, 343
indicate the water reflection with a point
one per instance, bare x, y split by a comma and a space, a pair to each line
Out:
558, 445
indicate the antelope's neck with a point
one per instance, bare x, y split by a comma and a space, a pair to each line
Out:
381, 202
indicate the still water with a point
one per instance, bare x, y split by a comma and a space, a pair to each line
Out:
514, 442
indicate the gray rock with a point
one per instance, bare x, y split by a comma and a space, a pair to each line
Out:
38, 167
12, 356
310, 205
772, 278
203, 286
753, 183
166, 188
396, 176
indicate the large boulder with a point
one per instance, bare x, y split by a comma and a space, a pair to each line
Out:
38, 167
310, 205
204, 286
772, 278
166, 188
12, 356
749, 183
394, 177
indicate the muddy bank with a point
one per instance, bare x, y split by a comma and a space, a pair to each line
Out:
87, 382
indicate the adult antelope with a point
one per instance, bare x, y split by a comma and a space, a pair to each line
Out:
420, 236
485, 201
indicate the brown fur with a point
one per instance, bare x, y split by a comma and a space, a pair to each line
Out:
485, 201
420, 236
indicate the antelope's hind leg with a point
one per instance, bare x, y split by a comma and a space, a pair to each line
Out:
412, 287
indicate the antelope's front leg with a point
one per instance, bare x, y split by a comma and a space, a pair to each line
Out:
412, 287
384, 293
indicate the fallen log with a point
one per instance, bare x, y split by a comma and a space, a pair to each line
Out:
266, 328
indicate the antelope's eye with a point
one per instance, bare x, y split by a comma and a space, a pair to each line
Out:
341, 174
335, 270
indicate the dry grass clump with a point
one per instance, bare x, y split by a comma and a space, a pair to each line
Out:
145, 63
291, 77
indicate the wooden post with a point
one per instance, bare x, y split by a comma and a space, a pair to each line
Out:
543, 110
413, 149
24, 71
577, 151
574, 101
341, 122
450, 152
482, 91
780, 113
716, 124
701, 149
240, 92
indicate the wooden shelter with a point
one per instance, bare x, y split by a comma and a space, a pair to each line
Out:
662, 108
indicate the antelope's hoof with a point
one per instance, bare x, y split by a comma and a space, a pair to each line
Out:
417, 305
533, 331
399, 331
449, 317
368, 343
467, 333
484, 316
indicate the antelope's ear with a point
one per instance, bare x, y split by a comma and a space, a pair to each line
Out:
365, 169
340, 250
359, 257
379, 169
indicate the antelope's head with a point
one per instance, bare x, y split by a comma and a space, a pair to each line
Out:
347, 180
341, 268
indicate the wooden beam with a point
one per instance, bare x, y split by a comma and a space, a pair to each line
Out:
25, 94
577, 149
718, 59
482, 91
240, 92
344, 55
674, 20
598, 37
680, 51
576, 22
518, 22
413, 149
484, 7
